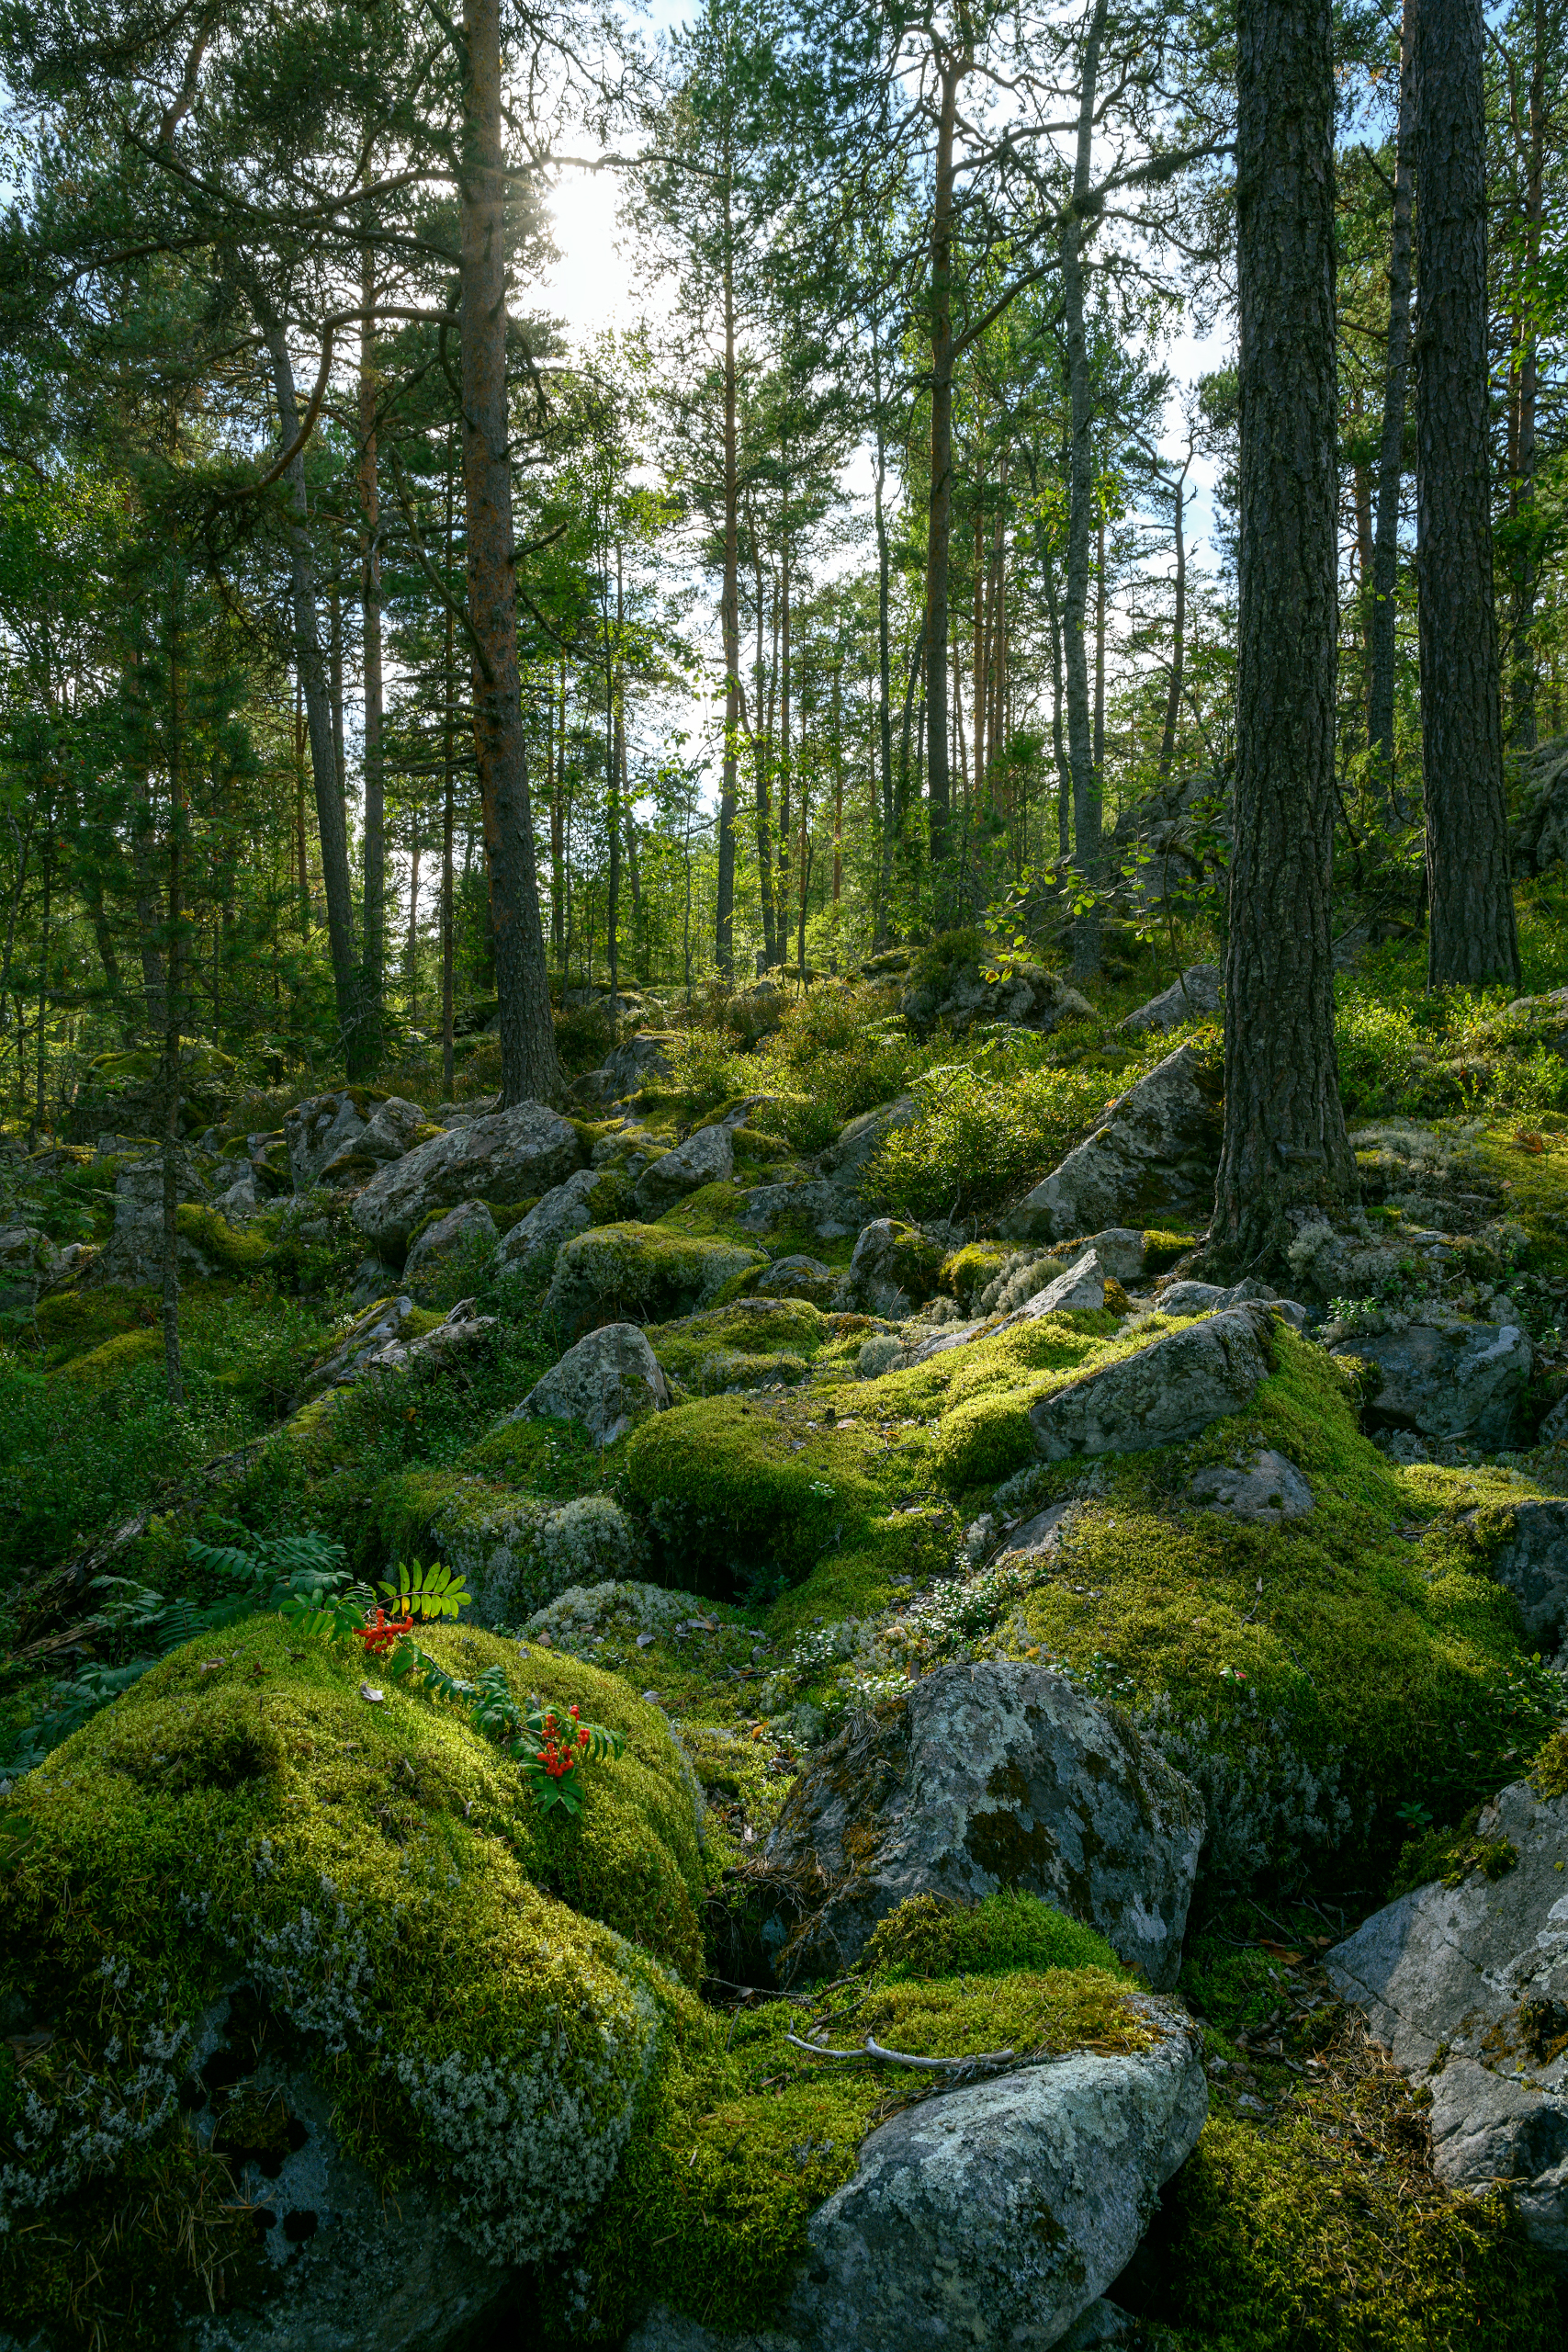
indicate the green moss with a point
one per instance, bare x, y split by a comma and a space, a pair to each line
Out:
238, 1253
1549, 1773
928, 1936
736, 1345
744, 2135
103, 1366
1286, 2239
1161, 1250
1451, 1856
725, 1484
641, 1273
242, 1811
964, 1273
70, 1323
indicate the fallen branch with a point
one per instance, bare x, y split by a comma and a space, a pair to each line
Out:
871, 2048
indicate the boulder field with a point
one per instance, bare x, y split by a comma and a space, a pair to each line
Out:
967, 1619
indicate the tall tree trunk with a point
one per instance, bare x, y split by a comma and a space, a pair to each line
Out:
374, 912
152, 981
939, 525
762, 752
331, 825
1284, 1146
613, 793
1391, 453
884, 669
173, 1375
1471, 935
1087, 804
729, 616
1177, 633
412, 967
529, 1070
556, 780
1521, 489
1100, 648
787, 743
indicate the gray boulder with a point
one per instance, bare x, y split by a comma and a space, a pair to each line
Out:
1168, 1392
1449, 1380
1150, 1159
372, 1280
462, 1232
991, 2216
1194, 996
859, 1140
1209, 1298
339, 1138
563, 1212
798, 1277
383, 1322
1267, 1493
28, 1260
241, 1201
327, 2258
506, 1156
614, 1273
640, 1062
829, 1210
518, 1553
133, 1253
1533, 1564
996, 1775
705, 1157
1026, 997
893, 1268
995, 2214
1467, 1986
1080, 1286
607, 1381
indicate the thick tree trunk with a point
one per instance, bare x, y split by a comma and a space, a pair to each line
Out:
939, 527
729, 622
529, 1070
1391, 454
1521, 489
374, 912
1472, 935
1086, 808
331, 825
1284, 1147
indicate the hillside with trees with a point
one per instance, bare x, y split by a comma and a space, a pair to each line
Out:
784, 1176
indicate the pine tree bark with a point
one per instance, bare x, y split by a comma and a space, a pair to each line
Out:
729, 619
529, 1070
331, 824
1472, 935
1284, 1148
939, 525
375, 912
1391, 453
1087, 814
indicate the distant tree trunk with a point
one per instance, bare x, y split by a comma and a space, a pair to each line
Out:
1100, 648
939, 525
370, 596
1284, 1146
1087, 805
1391, 454
613, 793
329, 820
762, 752
174, 1375
883, 668
729, 618
1177, 633
1472, 933
529, 1068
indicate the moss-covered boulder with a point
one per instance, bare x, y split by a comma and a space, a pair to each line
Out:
755, 1342
515, 1551
480, 1991
619, 1273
